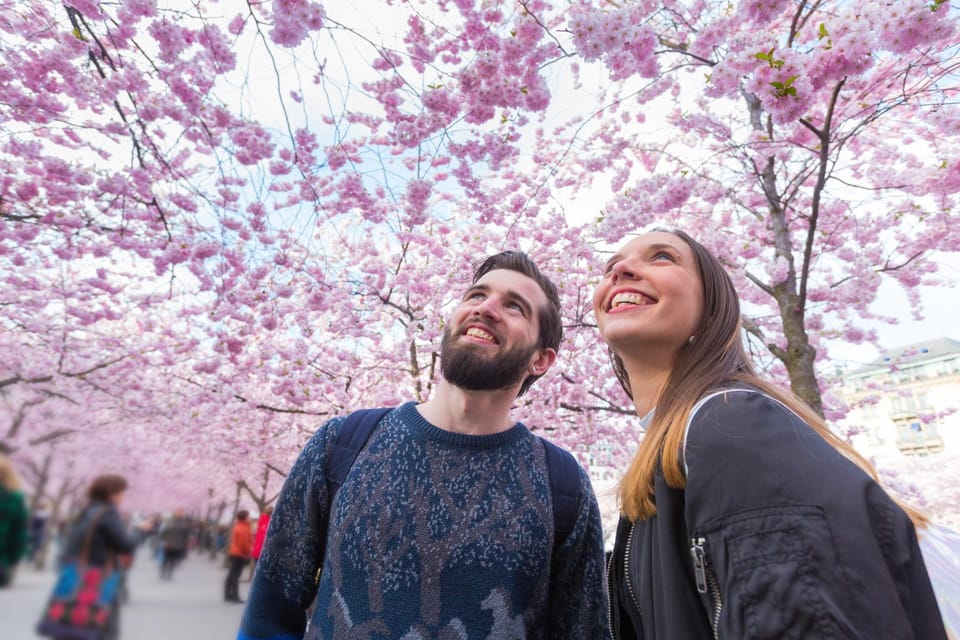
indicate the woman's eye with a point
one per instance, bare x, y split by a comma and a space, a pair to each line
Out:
663, 255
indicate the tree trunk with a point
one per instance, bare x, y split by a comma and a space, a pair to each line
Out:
53, 527
799, 357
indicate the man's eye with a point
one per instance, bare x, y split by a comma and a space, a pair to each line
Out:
475, 296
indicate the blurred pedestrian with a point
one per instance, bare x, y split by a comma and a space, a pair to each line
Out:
241, 547
99, 538
262, 523
174, 539
37, 530
13, 521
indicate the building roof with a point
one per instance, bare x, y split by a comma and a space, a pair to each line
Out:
910, 354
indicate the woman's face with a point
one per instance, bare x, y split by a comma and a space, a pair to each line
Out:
650, 296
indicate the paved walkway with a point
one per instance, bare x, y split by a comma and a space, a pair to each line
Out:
190, 607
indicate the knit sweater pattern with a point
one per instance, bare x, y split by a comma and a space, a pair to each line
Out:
433, 534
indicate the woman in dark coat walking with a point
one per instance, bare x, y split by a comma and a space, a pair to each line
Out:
110, 538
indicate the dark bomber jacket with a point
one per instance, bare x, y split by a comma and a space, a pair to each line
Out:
110, 537
776, 535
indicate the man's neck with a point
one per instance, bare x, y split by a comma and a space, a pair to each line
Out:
474, 413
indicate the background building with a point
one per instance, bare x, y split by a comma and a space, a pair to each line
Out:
905, 402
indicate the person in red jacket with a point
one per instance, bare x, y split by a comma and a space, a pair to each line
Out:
260, 536
241, 546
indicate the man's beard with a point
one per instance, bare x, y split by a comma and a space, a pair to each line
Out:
465, 366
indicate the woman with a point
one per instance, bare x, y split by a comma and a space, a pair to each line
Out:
13, 521
109, 541
743, 516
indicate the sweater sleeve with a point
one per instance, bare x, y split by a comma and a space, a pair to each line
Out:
284, 583
792, 538
578, 590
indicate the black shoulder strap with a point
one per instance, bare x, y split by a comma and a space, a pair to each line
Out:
565, 487
351, 438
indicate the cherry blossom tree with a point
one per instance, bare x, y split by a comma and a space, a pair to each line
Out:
222, 223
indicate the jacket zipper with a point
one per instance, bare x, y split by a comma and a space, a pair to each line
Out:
611, 592
626, 567
706, 581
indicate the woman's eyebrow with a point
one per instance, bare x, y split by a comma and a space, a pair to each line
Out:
615, 258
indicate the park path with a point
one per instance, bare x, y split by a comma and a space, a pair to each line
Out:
190, 607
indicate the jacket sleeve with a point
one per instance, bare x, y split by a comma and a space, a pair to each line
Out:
578, 591
796, 540
115, 533
284, 584
247, 543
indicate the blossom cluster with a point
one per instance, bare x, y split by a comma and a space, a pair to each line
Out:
620, 37
293, 20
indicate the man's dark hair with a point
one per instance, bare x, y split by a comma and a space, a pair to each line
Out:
242, 515
551, 329
106, 486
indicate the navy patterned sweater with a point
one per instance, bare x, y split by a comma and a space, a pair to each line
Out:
433, 534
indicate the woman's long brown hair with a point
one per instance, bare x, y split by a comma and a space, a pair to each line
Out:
713, 359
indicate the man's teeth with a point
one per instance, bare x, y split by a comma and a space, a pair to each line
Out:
628, 298
481, 334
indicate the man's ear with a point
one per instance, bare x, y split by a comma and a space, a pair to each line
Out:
543, 361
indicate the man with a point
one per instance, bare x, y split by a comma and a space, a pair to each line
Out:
174, 538
444, 526
241, 543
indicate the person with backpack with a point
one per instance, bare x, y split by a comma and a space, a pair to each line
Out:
443, 519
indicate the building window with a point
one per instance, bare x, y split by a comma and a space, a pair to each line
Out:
872, 423
916, 438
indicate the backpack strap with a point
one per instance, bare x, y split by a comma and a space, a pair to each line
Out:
565, 488
351, 438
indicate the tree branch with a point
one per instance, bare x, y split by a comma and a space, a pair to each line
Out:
824, 161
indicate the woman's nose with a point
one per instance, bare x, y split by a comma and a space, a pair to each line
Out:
624, 270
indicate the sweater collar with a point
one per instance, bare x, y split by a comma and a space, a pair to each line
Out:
426, 430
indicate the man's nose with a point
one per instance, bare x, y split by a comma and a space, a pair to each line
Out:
489, 308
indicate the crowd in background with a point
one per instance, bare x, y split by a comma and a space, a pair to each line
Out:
100, 534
